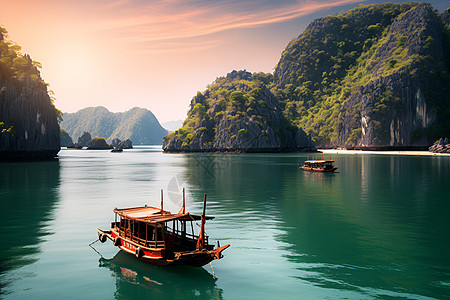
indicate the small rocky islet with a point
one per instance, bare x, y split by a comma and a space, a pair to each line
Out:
99, 143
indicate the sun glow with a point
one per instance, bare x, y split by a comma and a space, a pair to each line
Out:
152, 54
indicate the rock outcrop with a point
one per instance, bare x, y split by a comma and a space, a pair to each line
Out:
441, 146
65, 139
127, 144
83, 141
98, 143
29, 126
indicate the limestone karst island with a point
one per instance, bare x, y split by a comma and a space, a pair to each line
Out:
375, 77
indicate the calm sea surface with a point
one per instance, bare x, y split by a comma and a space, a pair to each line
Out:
378, 229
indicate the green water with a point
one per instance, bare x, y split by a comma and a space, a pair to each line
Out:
378, 229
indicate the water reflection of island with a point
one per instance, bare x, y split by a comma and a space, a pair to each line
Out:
28, 195
142, 280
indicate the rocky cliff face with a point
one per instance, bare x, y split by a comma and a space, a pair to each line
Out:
406, 111
27, 111
392, 106
374, 76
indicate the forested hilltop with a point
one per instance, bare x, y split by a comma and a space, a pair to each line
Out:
377, 75
28, 118
238, 113
137, 124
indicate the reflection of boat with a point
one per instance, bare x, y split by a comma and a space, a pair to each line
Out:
161, 238
145, 281
319, 166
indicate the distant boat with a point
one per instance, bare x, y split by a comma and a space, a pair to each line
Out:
161, 238
319, 166
117, 149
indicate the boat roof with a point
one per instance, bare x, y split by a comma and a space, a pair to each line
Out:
155, 215
318, 161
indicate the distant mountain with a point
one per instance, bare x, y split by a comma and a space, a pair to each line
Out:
172, 125
137, 124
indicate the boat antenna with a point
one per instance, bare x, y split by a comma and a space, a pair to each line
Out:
162, 202
183, 209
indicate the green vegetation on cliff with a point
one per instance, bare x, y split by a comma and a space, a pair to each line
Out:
384, 67
237, 112
341, 53
234, 97
28, 117
20, 70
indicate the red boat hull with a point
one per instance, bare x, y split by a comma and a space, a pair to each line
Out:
319, 169
157, 256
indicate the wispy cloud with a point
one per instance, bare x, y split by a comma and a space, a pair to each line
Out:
162, 21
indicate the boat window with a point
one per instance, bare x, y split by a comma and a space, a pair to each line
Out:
150, 233
159, 232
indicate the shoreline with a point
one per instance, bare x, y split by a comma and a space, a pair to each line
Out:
416, 153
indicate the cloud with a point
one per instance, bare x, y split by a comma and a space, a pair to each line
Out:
162, 21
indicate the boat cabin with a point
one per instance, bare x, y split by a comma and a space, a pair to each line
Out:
158, 229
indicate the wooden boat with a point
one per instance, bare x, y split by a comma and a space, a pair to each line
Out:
319, 166
161, 238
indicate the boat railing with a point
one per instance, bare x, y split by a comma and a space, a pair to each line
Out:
126, 233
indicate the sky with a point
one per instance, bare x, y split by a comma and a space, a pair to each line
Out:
155, 54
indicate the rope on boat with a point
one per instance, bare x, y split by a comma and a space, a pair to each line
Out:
90, 245
94, 242
212, 270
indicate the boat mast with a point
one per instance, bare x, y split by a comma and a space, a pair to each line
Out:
184, 203
162, 202
201, 236
183, 208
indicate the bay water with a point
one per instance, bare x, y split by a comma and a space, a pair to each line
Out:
377, 229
